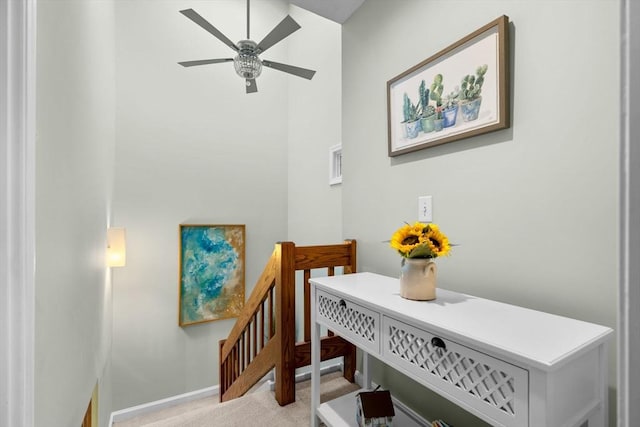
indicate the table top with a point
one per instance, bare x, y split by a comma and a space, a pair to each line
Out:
539, 339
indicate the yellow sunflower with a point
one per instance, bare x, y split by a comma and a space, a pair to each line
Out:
420, 241
436, 240
407, 237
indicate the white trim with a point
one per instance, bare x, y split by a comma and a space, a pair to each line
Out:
629, 272
622, 331
304, 374
335, 164
145, 408
134, 411
17, 206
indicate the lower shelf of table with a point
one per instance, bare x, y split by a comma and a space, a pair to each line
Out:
341, 412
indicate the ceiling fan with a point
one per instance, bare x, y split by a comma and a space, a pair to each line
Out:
247, 63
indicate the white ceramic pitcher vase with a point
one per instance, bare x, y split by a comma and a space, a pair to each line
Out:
418, 279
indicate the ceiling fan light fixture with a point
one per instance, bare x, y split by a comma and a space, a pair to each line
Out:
247, 63
247, 66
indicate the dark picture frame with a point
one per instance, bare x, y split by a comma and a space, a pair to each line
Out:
465, 87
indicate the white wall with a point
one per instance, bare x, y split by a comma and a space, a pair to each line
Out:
314, 124
534, 207
74, 166
192, 147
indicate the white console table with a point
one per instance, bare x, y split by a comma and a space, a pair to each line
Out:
508, 365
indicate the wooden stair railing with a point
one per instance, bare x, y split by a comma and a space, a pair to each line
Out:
263, 337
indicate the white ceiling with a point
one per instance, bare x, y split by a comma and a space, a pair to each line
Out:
335, 10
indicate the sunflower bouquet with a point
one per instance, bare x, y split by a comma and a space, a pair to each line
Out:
420, 241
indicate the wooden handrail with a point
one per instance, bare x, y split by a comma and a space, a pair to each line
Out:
263, 337
244, 358
310, 257
260, 292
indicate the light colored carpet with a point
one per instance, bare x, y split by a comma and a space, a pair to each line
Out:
256, 409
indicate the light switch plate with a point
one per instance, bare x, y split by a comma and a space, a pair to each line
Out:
425, 209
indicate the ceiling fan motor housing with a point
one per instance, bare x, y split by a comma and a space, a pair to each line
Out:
247, 63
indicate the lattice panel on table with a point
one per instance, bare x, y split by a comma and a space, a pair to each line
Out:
491, 385
361, 324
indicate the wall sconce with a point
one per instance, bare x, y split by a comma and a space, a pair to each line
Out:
116, 247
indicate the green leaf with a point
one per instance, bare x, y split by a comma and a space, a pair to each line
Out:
422, 251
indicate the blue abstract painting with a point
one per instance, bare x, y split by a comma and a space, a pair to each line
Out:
211, 272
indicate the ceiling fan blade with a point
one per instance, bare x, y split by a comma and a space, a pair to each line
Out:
251, 86
282, 30
296, 71
204, 62
195, 17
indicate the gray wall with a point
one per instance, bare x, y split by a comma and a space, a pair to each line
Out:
314, 125
315, 114
74, 167
534, 207
192, 147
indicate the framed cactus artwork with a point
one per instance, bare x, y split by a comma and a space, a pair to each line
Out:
459, 92
212, 265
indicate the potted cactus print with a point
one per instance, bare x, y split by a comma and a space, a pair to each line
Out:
427, 121
411, 118
450, 109
471, 88
460, 92
436, 95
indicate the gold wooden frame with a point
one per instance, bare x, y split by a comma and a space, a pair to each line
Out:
229, 301
480, 41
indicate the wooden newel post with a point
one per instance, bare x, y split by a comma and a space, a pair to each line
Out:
352, 267
285, 323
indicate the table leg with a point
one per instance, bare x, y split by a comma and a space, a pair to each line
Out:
366, 370
315, 361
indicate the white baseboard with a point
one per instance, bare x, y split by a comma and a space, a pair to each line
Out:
305, 374
134, 411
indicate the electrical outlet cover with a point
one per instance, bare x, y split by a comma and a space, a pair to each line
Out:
425, 209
